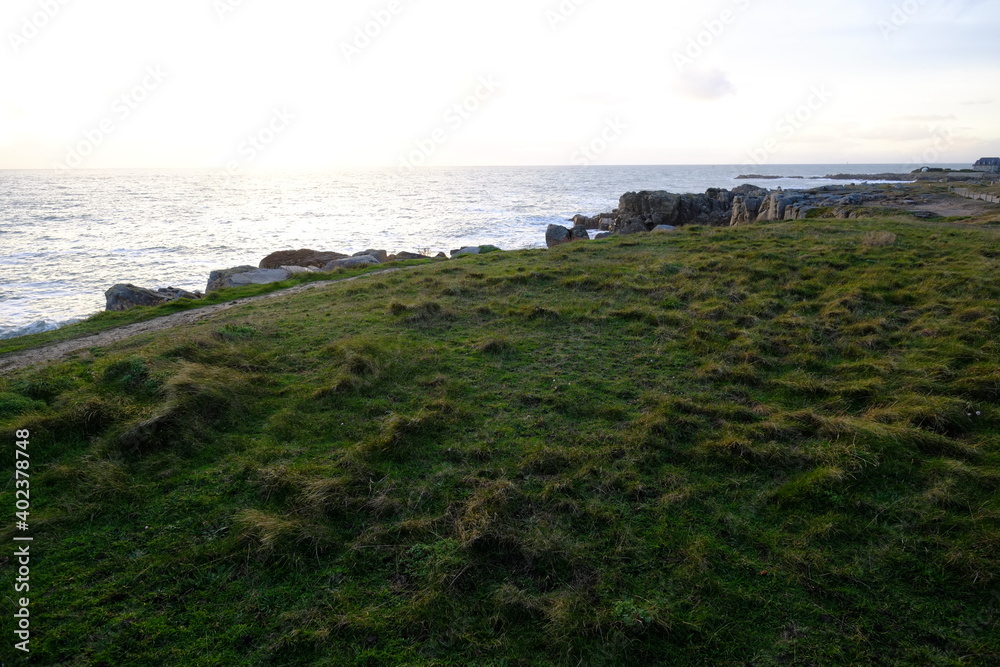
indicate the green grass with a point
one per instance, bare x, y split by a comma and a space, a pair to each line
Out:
105, 320
776, 444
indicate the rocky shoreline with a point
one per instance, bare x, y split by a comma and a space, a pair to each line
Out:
274, 268
933, 175
637, 212
660, 211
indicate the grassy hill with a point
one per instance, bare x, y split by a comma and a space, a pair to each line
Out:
774, 444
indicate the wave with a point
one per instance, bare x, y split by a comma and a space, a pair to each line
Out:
39, 326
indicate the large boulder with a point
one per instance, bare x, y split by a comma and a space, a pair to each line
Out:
781, 205
125, 296
557, 235
475, 250
635, 227
306, 258
400, 256
579, 233
654, 208
381, 255
351, 263
241, 276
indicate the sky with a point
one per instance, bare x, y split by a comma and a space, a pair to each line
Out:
248, 84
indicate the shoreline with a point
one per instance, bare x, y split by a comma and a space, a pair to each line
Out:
884, 200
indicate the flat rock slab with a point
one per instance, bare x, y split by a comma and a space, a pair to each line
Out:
244, 275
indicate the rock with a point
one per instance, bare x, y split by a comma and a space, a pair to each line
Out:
602, 235
557, 235
298, 270
745, 210
400, 256
486, 249
581, 221
299, 258
579, 233
659, 207
440, 255
663, 229
244, 275
775, 206
635, 227
351, 263
471, 250
381, 255
125, 296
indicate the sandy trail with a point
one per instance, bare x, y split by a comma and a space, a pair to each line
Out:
56, 351
953, 206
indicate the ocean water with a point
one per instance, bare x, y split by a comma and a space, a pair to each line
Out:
67, 236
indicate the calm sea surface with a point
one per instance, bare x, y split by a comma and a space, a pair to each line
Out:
65, 237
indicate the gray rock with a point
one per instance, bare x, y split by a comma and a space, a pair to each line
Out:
299, 258
635, 227
557, 235
400, 256
471, 250
747, 205
298, 270
381, 255
244, 275
125, 296
602, 235
237, 278
659, 207
351, 263
581, 221
579, 233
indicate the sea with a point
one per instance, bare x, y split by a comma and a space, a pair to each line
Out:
67, 236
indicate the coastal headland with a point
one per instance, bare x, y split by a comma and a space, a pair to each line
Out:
774, 442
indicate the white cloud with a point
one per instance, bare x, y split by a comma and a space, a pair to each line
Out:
704, 84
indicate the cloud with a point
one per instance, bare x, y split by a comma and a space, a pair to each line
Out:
704, 84
981, 101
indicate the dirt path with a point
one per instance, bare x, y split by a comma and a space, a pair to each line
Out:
954, 206
56, 351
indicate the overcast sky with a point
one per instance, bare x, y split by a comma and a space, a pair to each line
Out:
264, 83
